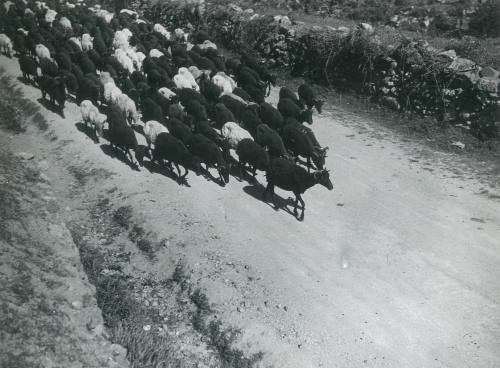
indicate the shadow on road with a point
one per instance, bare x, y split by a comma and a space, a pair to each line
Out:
257, 192
166, 171
119, 154
85, 129
51, 107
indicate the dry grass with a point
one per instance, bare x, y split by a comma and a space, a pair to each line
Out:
125, 298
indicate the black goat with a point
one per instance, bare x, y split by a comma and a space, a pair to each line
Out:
250, 152
271, 140
211, 155
179, 130
122, 136
88, 90
173, 150
151, 111
271, 116
308, 98
196, 110
240, 92
222, 115
291, 177
55, 88
288, 108
286, 92
298, 142
28, 67
49, 67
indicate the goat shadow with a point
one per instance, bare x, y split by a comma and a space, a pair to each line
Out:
165, 171
119, 154
51, 107
208, 175
87, 130
257, 192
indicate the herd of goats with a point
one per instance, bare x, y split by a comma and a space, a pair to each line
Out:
191, 104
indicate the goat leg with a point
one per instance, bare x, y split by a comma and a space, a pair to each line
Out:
303, 204
178, 170
295, 212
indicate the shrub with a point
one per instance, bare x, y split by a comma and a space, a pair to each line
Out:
486, 20
443, 22
373, 11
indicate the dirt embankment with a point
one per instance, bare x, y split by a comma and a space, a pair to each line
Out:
48, 312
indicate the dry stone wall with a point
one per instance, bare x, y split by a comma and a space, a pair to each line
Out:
409, 75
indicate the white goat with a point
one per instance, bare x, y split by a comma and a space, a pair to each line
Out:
87, 42
151, 130
120, 40
167, 93
124, 60
92, 116
223, 83
161, 30
111, 93
42, 52
228, 78
155, 53
233, 134
65, 23
50, 16
186, 79
129, 12
7, 5
105, 77
127, 105
6, 44
180, 35
207, 44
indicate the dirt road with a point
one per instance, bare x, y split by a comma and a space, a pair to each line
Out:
398, 266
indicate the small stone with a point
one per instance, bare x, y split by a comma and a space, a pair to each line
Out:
368, 28
44, 178
449, 55
390, 102
25, 155
488, 72
458, 144
77, 304
344, 30
146, 327
117, 350
487, 85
